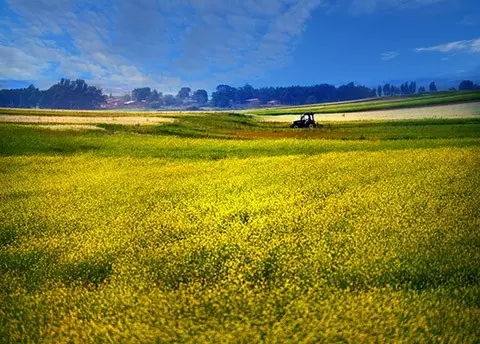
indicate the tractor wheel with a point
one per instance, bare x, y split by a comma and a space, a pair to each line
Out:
311, 125
295, 126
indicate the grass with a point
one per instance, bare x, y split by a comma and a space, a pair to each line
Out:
442, 98
197, 232
226, 136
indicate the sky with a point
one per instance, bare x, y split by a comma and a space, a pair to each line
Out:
167, 44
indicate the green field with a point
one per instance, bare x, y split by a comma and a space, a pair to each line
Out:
441, 98
225, 229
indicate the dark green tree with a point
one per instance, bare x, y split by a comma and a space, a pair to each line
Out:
72, 95
413, 87
140, 94
154, 96
169, 100
466, 85
200, 97
184, 93
224, 96
311, 99
244, 93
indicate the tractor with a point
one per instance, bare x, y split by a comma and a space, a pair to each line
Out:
306, 121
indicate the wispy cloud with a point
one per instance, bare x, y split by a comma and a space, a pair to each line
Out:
389, 55
372, 5
472, 46
15, 64
468, 20
162, 44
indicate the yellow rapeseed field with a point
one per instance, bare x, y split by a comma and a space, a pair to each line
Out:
360, 246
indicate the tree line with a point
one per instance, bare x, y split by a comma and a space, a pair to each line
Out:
66, 94
227, 96
155, 99
78, 94
468, 85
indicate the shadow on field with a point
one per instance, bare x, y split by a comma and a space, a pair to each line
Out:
193, 140
33, 270
29, 140
207, 266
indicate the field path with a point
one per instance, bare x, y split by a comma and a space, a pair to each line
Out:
465, 110
85, 120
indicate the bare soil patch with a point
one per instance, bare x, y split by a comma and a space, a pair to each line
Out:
465, 110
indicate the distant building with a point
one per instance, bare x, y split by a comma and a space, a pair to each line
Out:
253, 103
273, 103
112, 103
132, 104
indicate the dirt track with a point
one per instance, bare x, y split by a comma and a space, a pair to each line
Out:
466, 110
86, 120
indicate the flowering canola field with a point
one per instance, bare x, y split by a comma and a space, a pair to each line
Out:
337, 246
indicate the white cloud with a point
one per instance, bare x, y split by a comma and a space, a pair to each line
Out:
472, 46
389, 55
475, 46
16, 64
148, 41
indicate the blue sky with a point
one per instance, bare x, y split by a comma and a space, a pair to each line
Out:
167, 44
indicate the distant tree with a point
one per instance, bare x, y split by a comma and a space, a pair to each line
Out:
140, 94
153, 96
411, 87
395, 90
33, 96
127, 98
227, 96
466, 85
345, 91
169, 100
379, 90
386, 90
66, 94
155, 105
72, 95
224, 96
244, 93
421, 90
392, 90
311, 99
200, 97
433, 87
184, 93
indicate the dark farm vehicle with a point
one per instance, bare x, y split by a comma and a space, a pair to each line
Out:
306, 121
